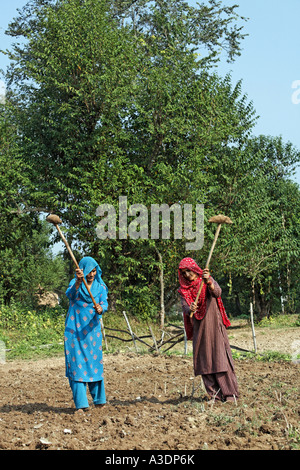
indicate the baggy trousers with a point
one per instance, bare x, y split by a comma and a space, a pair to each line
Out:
97, 391
222, 385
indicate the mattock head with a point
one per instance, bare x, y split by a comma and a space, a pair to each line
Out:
53, 219
220, 219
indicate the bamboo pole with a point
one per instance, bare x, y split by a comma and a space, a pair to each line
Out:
252, 326
130, 330
185, 338
154, 340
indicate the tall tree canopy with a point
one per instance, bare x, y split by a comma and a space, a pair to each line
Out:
121, 98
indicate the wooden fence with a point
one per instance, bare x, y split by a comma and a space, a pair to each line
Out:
159, 346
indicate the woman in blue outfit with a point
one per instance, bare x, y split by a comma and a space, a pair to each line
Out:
83, 336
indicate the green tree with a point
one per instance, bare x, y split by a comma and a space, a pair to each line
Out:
262, 201
112, 98
25, 255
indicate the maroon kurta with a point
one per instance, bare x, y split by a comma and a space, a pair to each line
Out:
211, 349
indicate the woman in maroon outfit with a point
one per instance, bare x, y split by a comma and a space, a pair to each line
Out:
207, 328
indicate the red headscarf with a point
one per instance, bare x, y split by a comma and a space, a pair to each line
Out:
189, 290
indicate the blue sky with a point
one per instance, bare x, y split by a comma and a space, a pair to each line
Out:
269, 65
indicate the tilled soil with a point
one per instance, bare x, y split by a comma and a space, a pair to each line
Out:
154, 403
149, 407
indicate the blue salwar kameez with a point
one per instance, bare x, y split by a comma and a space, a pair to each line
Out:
83, 337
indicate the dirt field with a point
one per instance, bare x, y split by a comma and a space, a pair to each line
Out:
150, 406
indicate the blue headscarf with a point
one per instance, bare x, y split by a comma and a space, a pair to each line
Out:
87, 264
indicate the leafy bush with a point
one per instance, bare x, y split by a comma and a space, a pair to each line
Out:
23, 331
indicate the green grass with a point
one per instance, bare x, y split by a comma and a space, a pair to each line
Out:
28, 333
267, 356
280, 321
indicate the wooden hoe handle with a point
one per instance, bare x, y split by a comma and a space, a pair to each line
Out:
207, 263
55, 220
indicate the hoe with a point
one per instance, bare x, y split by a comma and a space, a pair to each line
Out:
55, 220
220, 220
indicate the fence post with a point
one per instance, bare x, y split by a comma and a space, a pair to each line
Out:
154, 340
2, 352
185, 338
252, 325
130, 331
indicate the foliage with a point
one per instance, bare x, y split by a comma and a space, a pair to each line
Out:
25, 255
268, 356
23, 331
28, 333
279, 321
113, 98
263, 204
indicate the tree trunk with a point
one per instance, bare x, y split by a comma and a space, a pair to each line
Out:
263, 306
238, 304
